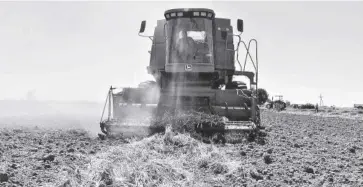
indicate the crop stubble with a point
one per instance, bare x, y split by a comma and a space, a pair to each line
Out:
299, 150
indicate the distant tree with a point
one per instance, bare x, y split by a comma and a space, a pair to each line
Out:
262, 96
288, 103
307, 106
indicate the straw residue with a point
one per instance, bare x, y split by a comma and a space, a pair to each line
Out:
171, 159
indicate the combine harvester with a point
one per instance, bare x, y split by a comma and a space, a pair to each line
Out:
193, 63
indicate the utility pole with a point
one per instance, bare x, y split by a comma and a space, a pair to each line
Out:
30, 96
321, 100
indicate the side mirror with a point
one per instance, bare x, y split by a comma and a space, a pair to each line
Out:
142, 27
224, 35
240, 25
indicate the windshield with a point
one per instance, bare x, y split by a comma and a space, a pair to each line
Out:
190, 40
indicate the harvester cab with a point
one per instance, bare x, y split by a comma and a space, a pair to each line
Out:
192, 60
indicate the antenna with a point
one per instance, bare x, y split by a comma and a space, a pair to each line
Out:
321, 100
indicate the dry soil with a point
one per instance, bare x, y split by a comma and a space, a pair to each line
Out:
300, 150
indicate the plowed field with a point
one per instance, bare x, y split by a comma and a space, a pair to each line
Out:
300, 150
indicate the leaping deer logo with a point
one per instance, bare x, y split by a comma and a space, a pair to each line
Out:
188, 67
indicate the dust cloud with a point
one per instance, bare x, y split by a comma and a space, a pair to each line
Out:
66, 115
51, 115
138, 112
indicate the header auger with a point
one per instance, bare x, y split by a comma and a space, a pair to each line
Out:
193, 63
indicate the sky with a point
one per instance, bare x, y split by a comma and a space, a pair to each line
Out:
76, 50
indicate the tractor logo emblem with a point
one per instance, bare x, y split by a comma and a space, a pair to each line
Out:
188, 67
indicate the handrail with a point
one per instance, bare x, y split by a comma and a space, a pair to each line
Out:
248, 54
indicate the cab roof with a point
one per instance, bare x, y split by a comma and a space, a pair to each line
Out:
189, 12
